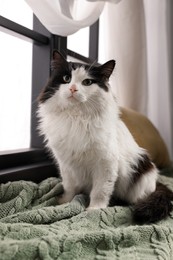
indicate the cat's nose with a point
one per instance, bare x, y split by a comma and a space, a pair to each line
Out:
73, 88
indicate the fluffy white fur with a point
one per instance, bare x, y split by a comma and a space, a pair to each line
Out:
92, 146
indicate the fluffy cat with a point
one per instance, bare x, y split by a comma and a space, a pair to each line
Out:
94, 150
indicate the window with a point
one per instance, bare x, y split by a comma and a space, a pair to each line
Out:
74, 39
15, 79
17, 11
23, 83
15, 89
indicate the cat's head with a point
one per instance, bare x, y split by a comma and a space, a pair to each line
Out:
73, 83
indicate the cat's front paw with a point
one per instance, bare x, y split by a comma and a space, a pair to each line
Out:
91, 208
96, 207
61, 200
64, 198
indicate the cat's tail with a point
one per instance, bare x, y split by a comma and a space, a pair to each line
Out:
155, 207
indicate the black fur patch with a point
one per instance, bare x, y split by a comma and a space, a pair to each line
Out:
143, 166
101, 73
61, 67
155, 207
55, 80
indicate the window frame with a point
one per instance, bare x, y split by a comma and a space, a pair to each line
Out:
35, 163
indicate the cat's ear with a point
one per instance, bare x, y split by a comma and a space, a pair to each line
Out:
57, 60
107, 68
56, 55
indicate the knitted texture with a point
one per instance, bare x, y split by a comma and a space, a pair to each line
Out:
33, 226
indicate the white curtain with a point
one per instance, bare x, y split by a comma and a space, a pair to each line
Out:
158, 66
65, 17
135, 33
125, 41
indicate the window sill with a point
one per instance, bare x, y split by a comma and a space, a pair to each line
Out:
31, 165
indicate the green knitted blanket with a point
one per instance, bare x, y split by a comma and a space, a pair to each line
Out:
33, 226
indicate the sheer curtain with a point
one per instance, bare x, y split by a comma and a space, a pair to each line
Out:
123, 38
65, 17
135, 33
158, 62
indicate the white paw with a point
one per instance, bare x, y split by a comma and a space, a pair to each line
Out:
95, 207
63, 199
91, 208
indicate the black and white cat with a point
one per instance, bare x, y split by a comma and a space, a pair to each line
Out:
96, 153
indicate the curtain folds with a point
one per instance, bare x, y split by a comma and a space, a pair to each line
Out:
125, 41
136, 34
65, 17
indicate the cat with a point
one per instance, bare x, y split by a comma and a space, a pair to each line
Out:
95, 152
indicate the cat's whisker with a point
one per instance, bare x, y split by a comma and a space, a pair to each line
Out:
92, 64
92, 105
95, 102
34, 102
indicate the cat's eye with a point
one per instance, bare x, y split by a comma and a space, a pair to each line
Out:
87, 82
66, 78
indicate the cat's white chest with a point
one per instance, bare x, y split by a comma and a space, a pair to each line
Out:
72, 133
77, 138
